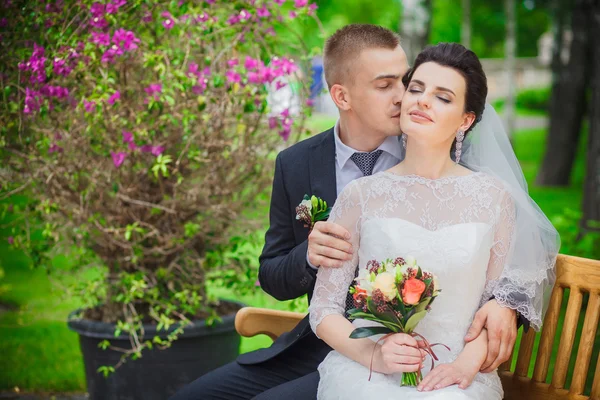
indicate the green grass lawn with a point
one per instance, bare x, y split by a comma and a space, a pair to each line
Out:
39, 353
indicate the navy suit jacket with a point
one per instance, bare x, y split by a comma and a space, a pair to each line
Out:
307, 167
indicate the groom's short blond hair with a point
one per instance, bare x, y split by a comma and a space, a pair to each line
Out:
343, 48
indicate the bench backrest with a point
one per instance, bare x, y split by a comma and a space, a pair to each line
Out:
579, 277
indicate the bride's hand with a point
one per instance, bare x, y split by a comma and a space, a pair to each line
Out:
398, 353
456, 373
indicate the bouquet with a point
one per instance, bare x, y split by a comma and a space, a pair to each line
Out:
397, 294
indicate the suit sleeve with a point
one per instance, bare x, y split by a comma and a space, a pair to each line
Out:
283, 272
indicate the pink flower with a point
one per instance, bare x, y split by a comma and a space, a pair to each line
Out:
147, 17
285, 113
270, 31
201, 18
257, 283
99, 22
234, 19
154, 90
310, 102
210, 1
293, 14
280, 2
60, 67
132, 146
54, 148
245, 15
97, 9
127, 137
273, 122
251, 63
233, 77
89, 106
118, 158
263, 12
114, 97
312, 8
113, 6
147, 148
285, 133
279, 85
157, 150
99, 38
232, 63
11, 240
300, 3
126, 40
168, 23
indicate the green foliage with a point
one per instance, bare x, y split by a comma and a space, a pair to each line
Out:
488, 26
575, 240
140, 132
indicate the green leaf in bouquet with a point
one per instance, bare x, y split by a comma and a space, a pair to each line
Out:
387, 316
370, 317
412, 322
360, 333
423, 304
419, 273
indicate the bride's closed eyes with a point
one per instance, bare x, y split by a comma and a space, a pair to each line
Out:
417, 89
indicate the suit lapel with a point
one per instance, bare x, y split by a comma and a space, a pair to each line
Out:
322, 169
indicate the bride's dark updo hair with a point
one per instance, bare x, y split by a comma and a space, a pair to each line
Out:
466, 63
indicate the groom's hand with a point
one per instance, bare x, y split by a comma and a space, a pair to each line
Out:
328, 245
501, 324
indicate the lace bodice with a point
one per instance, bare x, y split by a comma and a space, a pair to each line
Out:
462, 219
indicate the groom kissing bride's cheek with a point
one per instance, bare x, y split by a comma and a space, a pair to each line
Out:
425, 188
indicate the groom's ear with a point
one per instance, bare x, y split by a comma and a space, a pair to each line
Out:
340, 96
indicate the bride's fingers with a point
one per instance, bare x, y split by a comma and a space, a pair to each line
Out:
426, 382
447, 381
402, 359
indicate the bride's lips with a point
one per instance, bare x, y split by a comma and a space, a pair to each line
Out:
420, 116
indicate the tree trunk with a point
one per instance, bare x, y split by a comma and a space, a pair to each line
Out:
415, 27
510, 53
568, 103
591, 193
465, 30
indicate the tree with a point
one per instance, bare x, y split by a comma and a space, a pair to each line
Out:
465, 31
569, 88
509, 62
591, 195
415, 26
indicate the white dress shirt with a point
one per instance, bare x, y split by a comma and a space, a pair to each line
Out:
346, 170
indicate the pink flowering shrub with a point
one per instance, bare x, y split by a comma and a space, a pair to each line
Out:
143, 130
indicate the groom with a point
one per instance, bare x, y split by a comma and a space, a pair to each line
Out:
364, 65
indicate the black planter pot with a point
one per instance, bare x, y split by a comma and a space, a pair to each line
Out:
158, 373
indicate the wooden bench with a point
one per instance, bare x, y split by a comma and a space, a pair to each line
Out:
580, 276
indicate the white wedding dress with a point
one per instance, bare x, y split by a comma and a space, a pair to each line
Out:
459, 228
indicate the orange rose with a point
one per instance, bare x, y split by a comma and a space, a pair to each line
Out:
360, 293
412, 291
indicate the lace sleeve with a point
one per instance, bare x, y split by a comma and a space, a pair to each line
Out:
332, 284
508, 278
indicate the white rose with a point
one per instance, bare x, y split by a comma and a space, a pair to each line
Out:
307, 204
387, 284
364, 281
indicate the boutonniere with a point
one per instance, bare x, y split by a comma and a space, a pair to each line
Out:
312, 209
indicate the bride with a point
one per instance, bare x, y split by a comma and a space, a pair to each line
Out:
458, 203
